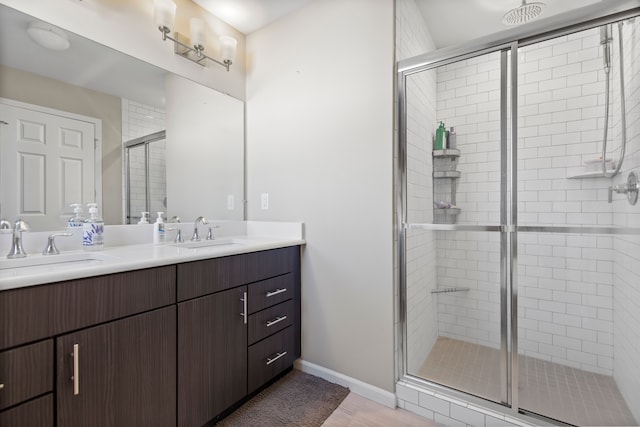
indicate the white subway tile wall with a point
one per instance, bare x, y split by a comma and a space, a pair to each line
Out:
139, 120
626, 261
579, 297
421, 278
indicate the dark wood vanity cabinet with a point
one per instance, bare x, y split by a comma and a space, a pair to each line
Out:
240, 329
124, 328
212, 355
165, 346
120, 373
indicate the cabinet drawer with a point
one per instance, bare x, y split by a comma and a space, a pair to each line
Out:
37, 413
204, 277
26, 372
270, 357
271, 263
270, 292
38, 312
270, 321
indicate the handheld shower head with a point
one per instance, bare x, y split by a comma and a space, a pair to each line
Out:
606, 40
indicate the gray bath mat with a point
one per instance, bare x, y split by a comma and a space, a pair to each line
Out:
297, 399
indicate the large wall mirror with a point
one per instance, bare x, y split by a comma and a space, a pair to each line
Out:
197, 169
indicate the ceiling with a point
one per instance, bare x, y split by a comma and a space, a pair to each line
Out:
450, 22
248, 16
109, 72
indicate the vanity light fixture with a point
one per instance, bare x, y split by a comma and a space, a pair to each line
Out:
165, 12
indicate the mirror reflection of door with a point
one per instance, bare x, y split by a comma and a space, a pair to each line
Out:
48, 163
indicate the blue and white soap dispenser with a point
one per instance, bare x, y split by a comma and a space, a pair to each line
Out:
93, 230
77, 220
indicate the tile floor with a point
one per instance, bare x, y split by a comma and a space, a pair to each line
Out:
358, 411
567, 394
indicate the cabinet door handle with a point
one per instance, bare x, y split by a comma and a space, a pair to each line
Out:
276, 320
1, 386
278, 356
76, 369
276, 292
244, 307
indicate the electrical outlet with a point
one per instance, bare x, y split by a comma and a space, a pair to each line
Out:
264, 201
230, 202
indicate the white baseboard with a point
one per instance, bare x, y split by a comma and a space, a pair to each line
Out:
376, 394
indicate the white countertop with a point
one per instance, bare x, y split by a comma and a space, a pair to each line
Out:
117, 259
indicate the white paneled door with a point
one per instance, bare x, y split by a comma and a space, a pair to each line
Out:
48, 160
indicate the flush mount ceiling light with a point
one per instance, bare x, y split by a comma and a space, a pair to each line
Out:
165, 13
48, 36
523, 13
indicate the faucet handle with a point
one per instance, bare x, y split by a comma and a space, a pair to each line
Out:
631, 188
179, 238
5, 226
21, 225
210, 235
51, 248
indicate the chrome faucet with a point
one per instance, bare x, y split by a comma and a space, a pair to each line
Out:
51, 248
16, 243
200, 219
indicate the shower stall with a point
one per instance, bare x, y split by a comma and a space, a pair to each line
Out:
519, 246
146, 176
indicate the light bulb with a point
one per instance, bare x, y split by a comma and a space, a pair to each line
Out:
198, 32
228, 48
165, 13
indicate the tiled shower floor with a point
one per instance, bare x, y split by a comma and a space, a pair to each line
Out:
567, 394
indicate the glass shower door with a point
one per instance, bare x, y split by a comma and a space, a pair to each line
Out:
146, 180
455, 234
573, 242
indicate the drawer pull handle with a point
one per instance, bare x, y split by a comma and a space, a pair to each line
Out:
76, 369
1, 386
278, 356
277, 320
276, 292
244, 307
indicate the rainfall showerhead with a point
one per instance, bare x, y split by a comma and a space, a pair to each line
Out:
523, 13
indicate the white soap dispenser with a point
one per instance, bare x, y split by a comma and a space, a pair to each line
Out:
144, 218
77, 220
93, 229
158, 229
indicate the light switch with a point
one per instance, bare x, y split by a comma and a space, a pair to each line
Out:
264, 201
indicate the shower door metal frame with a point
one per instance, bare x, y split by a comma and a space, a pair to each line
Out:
504, 227
506, 41
143, 140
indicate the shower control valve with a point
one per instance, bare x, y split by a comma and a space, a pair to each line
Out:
631, 189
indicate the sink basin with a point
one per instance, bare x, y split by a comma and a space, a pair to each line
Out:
208, 243
68, 260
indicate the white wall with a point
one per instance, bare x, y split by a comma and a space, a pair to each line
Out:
319, 142
205, 152
128, 26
